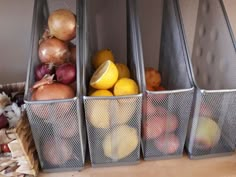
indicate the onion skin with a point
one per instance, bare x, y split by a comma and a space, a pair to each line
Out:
66, 73
62, 24
41, 70
53, 51
53, 91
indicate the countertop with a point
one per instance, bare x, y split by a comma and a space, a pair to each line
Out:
181, 167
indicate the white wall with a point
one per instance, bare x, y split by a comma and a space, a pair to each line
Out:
15, 27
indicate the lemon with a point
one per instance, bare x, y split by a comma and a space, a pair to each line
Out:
101, 56
121, 142
125, 86
105, 76
101, 93
123, 70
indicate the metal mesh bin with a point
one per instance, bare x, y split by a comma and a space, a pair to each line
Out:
162, 47
113, 123
212, 126
58, 126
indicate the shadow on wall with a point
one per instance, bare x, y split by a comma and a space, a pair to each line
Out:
15, 31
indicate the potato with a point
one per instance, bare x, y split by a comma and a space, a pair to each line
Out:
121, 142
167, 144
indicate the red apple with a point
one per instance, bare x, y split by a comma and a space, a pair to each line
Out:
205, 110
153, 128
167, 144
149, 108
3, 121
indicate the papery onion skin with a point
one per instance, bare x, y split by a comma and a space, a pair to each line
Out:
53, 51
41, 70
62, 24
53, 91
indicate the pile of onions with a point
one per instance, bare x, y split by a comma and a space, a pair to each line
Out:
62, 24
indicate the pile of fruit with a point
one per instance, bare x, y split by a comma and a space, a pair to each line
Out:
113, 79
161, 127
56, 74
110, 78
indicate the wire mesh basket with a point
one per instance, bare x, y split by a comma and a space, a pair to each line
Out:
212, 126
113, 123
162, 48
58, 126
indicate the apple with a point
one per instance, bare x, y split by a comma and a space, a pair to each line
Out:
148, 109
167, 144
153, 128
159, 123
152, 77
205, 110
159, 97
207, 134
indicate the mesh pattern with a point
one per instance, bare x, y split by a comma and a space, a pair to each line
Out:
113, 127
213, 129
56, 132
165, 123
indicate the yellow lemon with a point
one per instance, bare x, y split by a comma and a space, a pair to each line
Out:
105, 76
125, 86
123, 70
121, 142
101, 93
101, 56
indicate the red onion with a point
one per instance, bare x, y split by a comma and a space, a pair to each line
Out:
57, 151
3, 121
66, 73
41, 70
62, 24
53, 51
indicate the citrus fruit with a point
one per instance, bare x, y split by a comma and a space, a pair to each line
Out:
105, 76
152, 77
101, 56
102, 93
125, 86
121, 142
123, 70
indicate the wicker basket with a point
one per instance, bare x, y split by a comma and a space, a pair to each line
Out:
23, 158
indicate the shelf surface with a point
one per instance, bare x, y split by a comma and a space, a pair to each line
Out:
184, 167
